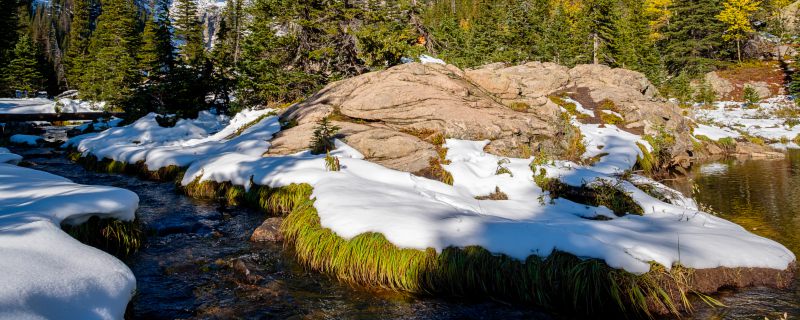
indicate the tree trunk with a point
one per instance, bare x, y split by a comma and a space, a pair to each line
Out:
595, 47
739, 50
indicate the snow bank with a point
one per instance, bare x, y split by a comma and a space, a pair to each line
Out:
181, 145
8, 157
424, 59
415, 212
46, 274
418, 213
41, 105
25, 139
715, 133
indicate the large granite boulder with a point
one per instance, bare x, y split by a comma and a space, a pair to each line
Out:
388, 115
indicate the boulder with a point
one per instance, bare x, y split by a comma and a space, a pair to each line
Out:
269, 231
390, 115
403, 102
721, 86
762, 88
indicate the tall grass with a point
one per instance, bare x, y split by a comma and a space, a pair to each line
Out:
120, 238
560, 281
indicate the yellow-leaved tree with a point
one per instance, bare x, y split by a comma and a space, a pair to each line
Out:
658, 15
736, 15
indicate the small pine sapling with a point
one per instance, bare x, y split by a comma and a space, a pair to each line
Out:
324, 132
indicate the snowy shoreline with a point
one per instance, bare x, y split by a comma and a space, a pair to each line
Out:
414, 212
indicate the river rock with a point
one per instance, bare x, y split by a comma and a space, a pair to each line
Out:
269, 231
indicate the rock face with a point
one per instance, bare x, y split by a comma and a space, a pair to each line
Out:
388, 115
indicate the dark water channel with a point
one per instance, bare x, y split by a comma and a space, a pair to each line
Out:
197, 263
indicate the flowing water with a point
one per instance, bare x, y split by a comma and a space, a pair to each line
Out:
197, 262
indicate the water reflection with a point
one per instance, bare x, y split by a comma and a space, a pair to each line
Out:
762, 196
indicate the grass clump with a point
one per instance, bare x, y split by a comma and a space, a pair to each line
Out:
519, 106
436, 171
502, 169
332, 162
659, 159
497, 195
611, 119
559, 280
727, 143
120, 238
600, 193
324, 133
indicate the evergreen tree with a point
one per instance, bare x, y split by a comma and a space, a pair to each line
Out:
189, 33
23, 71
111, 72
149, 55
600, 16
77, 43
693, 40
8, 30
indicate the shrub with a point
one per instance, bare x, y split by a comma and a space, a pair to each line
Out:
751, 96
497, 195
705, 94
324, 133
501, 169
727, 143
661, 155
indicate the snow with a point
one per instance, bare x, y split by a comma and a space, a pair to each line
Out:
424, 59
41, 105
100, 124
25, 139
730, 119
7, 157
715, 133
188, 141
46, 273
419, 213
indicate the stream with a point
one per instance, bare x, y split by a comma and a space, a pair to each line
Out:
197, 261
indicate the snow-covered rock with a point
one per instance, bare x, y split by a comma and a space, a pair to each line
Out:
25, 139
41, 105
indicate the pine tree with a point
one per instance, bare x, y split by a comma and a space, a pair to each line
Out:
189, 33
77, 43
8, 30
736, 16
600, 16
111, 72
693, 40
23, 72
149, 56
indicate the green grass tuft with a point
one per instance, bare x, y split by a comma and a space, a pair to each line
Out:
120, 238
559, 281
